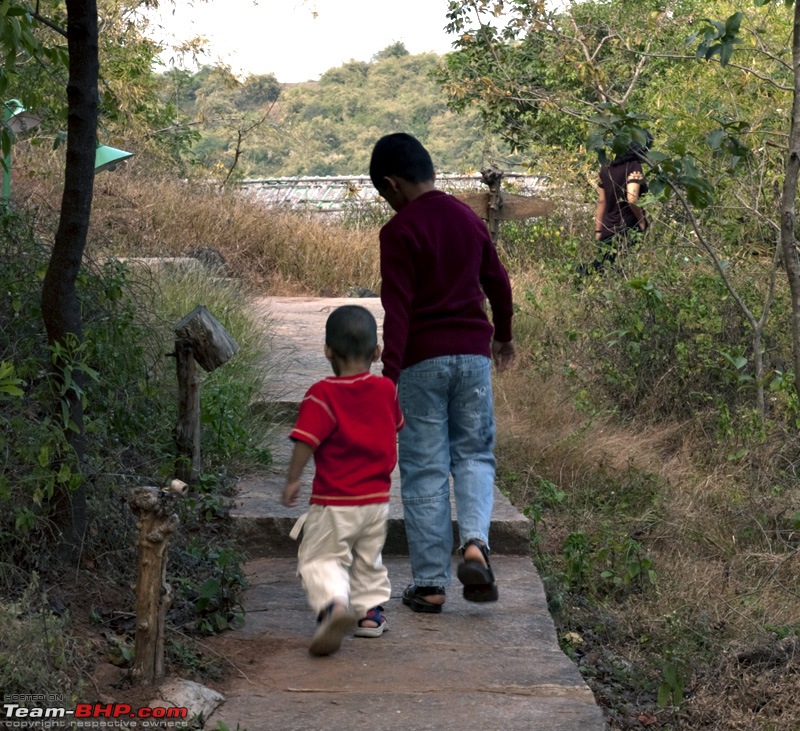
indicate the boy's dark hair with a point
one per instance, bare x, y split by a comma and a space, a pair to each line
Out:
402, 155
352, 333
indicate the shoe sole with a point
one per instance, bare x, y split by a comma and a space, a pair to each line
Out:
478, 581
370, 631
330, 633
422, 607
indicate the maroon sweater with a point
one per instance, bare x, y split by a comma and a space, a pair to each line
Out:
437, 263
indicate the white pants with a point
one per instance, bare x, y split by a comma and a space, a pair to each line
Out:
340, 556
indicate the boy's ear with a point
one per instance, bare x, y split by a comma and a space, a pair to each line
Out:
391, 184
328, 353
377, 355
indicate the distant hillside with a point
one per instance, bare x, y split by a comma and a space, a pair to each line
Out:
327, 127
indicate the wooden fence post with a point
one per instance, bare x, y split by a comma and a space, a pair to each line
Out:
187, 430
497, 205
155, 521
493, 177
201, 338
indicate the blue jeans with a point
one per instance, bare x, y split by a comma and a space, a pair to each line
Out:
448, 407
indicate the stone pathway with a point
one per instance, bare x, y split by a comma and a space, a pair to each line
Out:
475, 666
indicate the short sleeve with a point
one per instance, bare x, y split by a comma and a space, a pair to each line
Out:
315, 420
635, 174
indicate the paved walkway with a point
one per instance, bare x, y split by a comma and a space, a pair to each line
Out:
475, 666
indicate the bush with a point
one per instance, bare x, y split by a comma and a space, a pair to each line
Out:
129, 391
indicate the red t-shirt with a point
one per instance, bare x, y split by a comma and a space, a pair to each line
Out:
351, 423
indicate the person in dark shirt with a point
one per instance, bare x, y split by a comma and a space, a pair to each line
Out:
438, 265
619, 221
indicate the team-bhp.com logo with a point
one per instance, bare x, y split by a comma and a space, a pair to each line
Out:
88, 715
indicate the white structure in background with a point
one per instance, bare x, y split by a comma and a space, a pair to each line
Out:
335, 194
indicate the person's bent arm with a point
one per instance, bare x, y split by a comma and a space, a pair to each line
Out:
632, 191
300, 455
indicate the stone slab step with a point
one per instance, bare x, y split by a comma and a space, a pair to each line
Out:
475, 666
263, 523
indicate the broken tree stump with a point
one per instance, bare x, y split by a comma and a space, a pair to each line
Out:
155, 522
198, 337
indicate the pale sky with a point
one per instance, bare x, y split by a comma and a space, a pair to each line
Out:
297, 40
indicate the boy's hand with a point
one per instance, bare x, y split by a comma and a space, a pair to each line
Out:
503, 354
290, 493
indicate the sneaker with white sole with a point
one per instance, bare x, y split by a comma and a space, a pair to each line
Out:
333, 623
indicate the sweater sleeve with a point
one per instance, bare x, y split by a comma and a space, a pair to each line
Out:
497, 287
397, 281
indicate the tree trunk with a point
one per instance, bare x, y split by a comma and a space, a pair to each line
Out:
791, 261
60, 308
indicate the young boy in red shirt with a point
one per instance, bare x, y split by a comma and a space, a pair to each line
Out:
349, 422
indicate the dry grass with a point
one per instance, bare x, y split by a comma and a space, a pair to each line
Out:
727, 582
719, 531
277, 251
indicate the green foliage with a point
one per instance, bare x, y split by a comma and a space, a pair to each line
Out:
130, 112
540, 74
9, 385
210, 584
672, 337
328, 127
127, 384
718, 38
674, 680
231, 431
188, 657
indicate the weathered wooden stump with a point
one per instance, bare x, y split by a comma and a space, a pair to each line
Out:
198, 337
155, 521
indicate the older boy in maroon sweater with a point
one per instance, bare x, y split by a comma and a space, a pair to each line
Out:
438, 265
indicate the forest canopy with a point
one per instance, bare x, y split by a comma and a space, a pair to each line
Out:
326, 127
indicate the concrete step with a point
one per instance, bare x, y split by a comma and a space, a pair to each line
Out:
474, 666
263, 523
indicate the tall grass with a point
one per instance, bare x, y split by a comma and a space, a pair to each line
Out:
665, 516
279, 251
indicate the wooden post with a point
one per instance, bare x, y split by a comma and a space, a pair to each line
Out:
199, 337
187, 430
496, 205
213, 346
155, 523
493, 177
